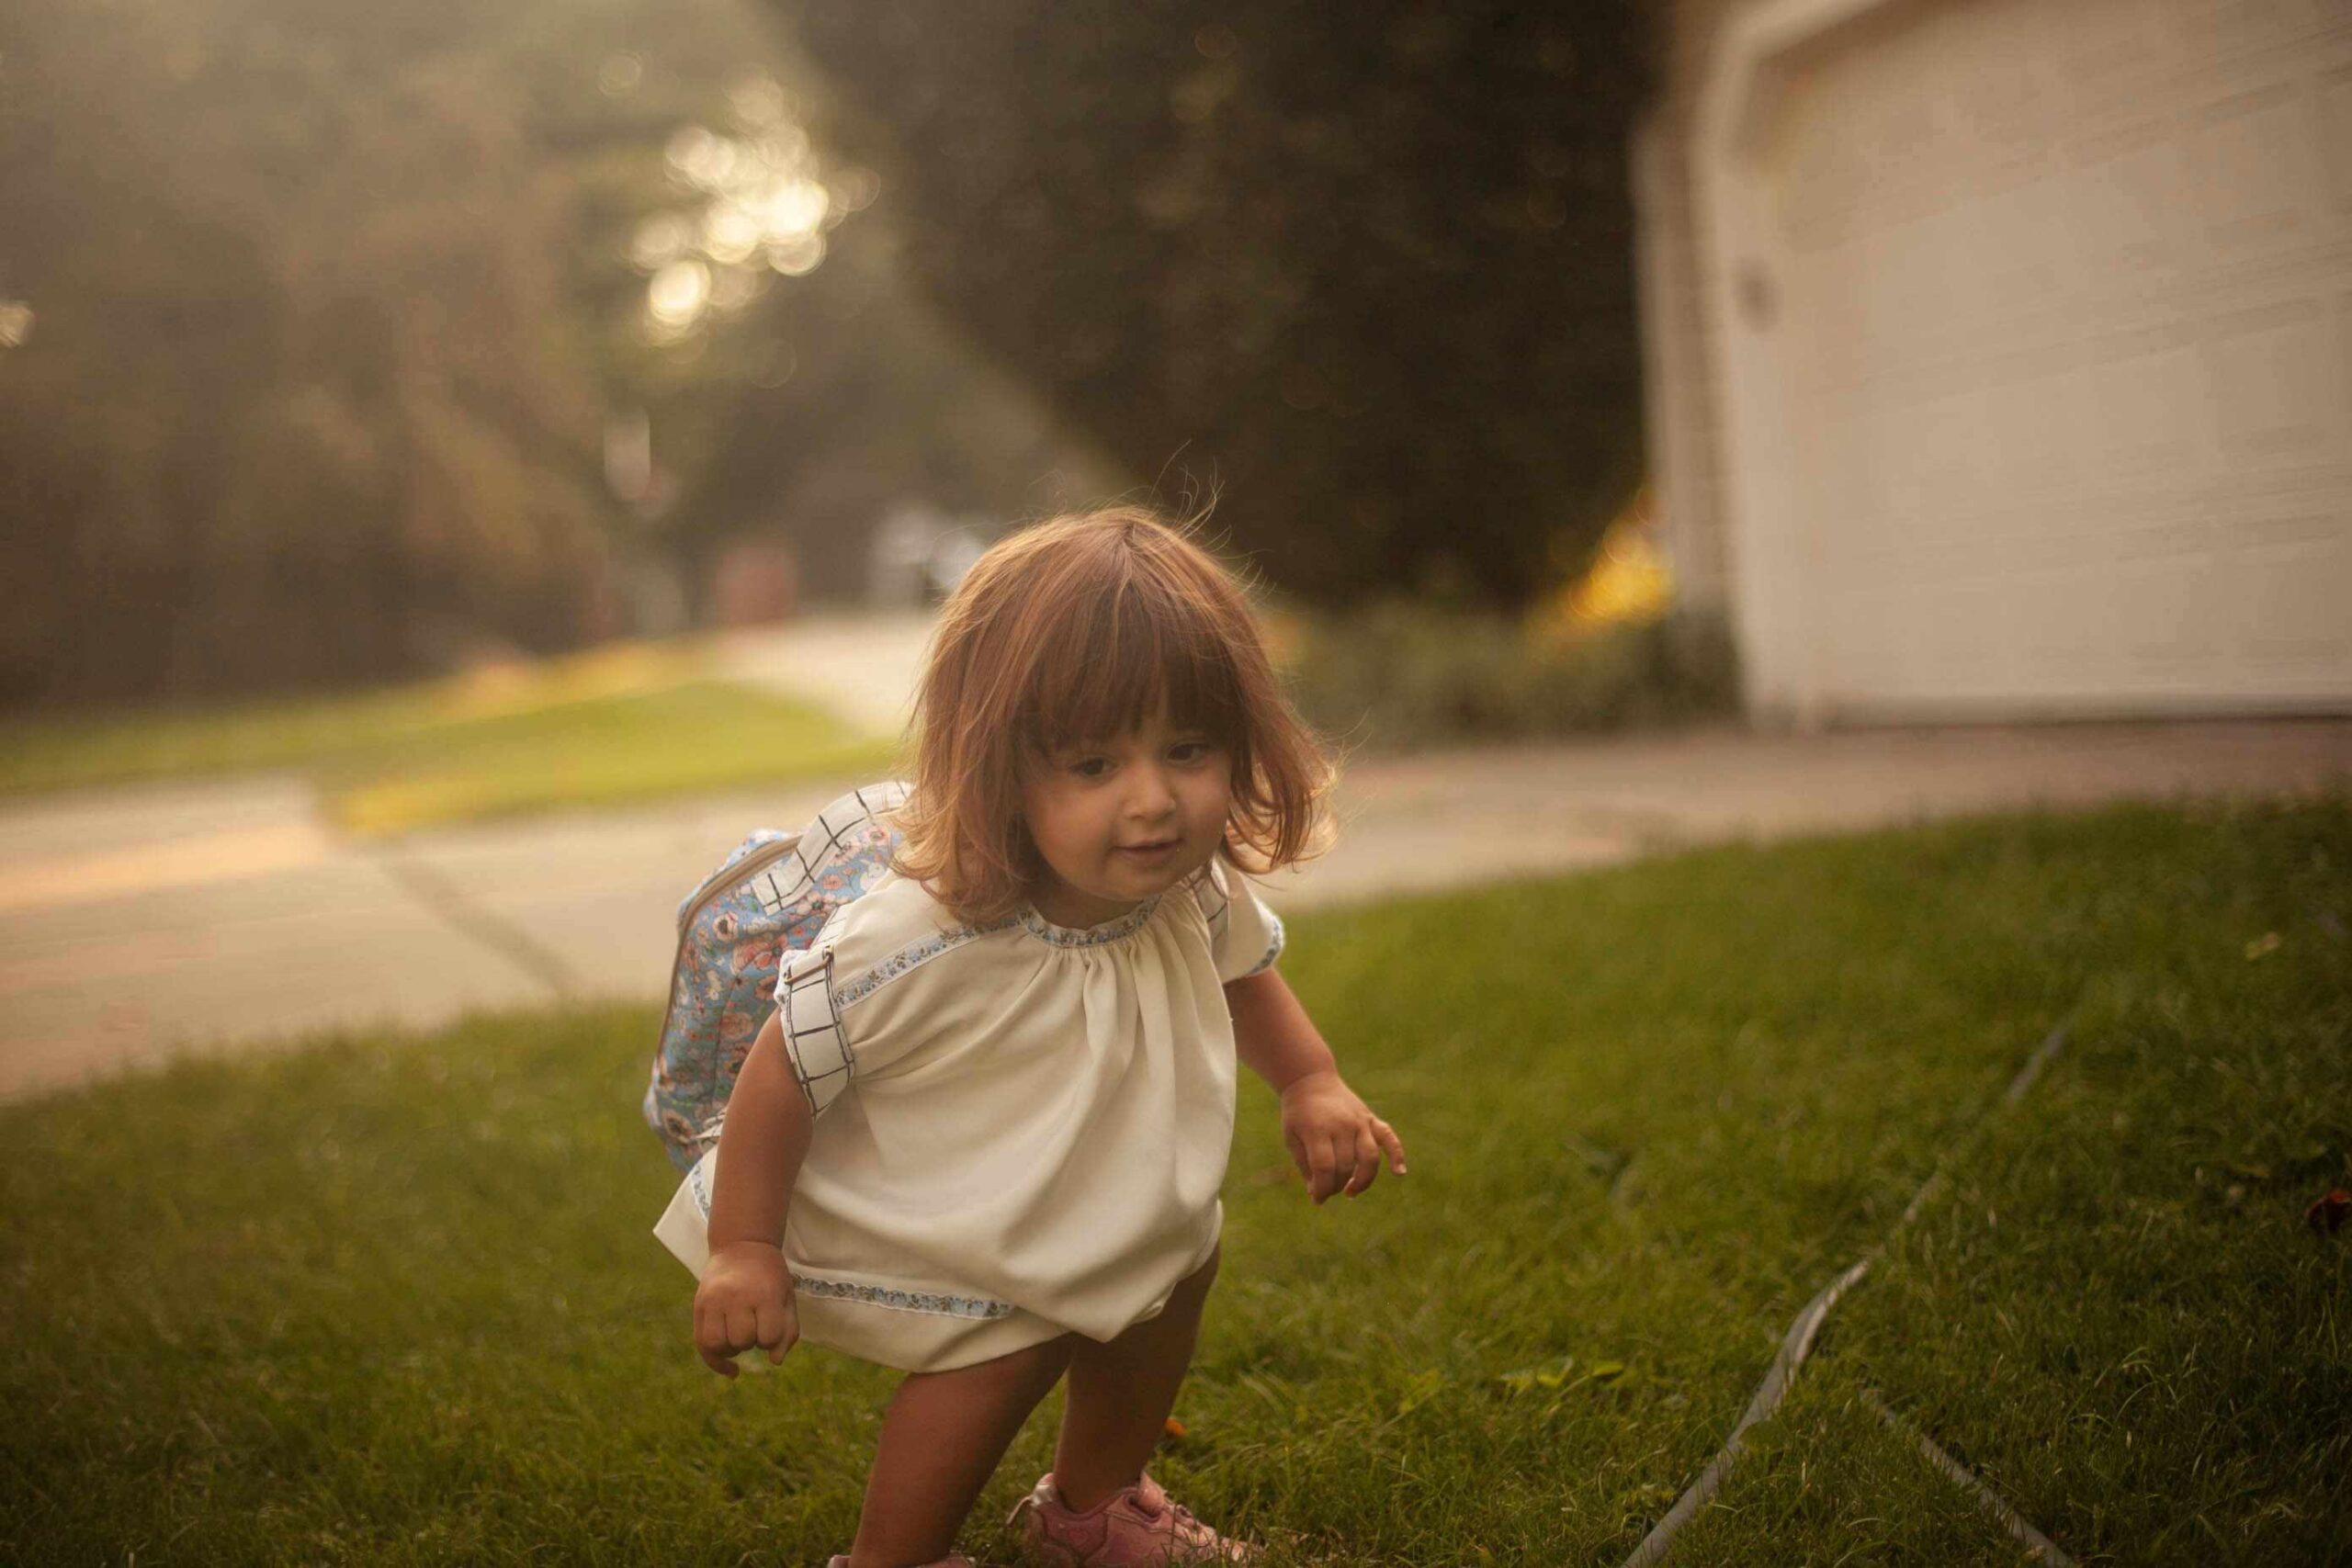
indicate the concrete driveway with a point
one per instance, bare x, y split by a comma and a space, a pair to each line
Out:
142, 923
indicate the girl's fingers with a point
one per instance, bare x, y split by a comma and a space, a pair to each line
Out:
743, 1328
1367, 1162
710, 1342
1318, 1167
1340, 1153
1391, 1141
791, 1336
774, 1322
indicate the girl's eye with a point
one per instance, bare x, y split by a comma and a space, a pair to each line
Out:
1185, 753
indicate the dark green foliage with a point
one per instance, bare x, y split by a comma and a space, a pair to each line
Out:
308, 398
1400, 675
226, 447
1366, 269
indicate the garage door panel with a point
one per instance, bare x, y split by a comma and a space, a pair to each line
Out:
2127, 197
2291, 601
2255, 159
2068, 354
2056, 630
2035, 434
2278, 376
2104, 57
2335, 134
2153, 418
2027, 254
2208, 28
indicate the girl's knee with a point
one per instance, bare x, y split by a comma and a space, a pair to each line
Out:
1020, 1377
1041, 1365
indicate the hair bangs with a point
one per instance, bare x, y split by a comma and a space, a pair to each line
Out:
1141, 644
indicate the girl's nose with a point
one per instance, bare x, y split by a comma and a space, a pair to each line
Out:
1153, 796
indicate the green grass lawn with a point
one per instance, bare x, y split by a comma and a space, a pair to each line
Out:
627, 723
394, 1299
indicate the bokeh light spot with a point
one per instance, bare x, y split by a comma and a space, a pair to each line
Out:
679, 293
620, 76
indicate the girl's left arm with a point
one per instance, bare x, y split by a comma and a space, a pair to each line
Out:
1332, 1134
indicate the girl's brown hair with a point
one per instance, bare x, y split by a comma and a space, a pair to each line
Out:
1069, 632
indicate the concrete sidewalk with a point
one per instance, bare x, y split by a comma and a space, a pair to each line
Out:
142, 923
862, 665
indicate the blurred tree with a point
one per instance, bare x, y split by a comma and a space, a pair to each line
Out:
280, 418
320, 333
310, 386
1370, 268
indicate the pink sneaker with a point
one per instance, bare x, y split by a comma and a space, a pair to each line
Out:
1129, 1528
953, 1559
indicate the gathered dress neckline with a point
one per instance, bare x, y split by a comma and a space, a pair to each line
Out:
1111, 930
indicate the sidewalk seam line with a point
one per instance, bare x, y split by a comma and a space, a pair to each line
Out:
446, 899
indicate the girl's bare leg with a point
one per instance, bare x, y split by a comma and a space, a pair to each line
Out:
1120, 1395
941, 1440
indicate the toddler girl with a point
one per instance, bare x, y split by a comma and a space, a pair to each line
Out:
982, 1137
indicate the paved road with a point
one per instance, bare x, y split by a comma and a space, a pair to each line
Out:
141, 924
863, 666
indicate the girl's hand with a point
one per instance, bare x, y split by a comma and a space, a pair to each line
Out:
1334, 1137
745, 1299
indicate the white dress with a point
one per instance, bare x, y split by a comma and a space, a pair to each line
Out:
1020, 1129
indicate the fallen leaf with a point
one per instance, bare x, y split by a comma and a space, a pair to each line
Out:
1418, 1389
1527, 1377
2326, 1215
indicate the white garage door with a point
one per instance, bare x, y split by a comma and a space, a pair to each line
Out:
2062, 322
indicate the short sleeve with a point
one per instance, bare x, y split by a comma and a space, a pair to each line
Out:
815, 1042
1245, 936
833, 1043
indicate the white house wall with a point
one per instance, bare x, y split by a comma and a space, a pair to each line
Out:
2028, 334
1677, 381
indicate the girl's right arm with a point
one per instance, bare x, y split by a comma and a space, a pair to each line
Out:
745, 1298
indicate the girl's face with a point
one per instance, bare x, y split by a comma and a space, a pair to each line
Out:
1118, 820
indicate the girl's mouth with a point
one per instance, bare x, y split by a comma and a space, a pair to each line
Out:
1149, 851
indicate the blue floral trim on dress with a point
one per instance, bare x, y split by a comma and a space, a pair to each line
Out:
904, 1300
1088, 936
1273, 948
909, 958
698, 1183
916, 954
1217, 903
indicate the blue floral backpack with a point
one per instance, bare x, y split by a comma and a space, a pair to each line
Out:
768, 898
